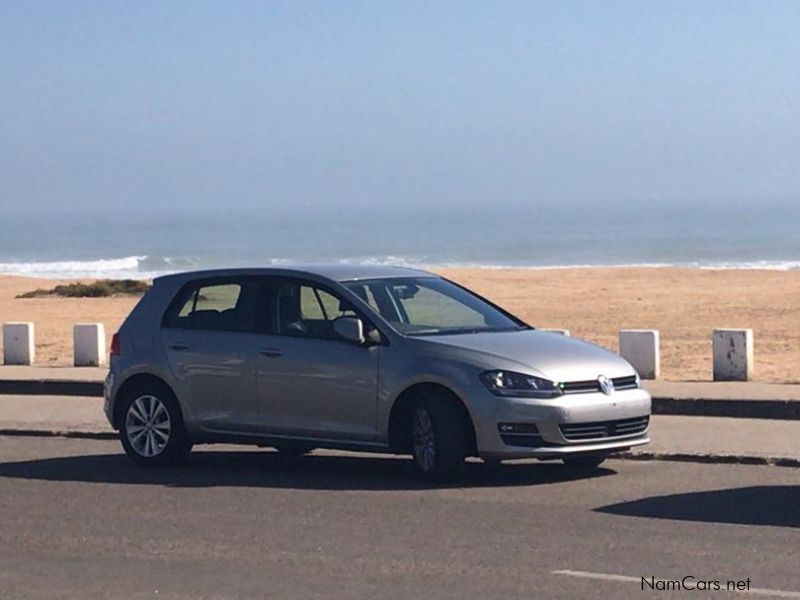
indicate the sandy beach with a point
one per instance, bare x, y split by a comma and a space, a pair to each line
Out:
594, 303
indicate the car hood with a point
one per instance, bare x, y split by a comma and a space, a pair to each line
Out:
557, 357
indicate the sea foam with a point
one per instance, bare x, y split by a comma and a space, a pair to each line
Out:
129, 267
148, 267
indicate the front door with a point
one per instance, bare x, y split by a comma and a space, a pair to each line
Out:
310, 381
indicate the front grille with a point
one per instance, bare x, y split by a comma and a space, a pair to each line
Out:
604, 429
625, 383
593, 385
580, 387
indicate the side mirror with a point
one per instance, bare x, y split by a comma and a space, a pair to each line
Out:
350, 329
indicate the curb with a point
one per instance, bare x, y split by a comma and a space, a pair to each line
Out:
717, 459
785, 410
51, 387
81, 435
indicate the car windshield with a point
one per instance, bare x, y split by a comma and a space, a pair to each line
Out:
431, 306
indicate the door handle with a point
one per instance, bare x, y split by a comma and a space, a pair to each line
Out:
270, 352
179, 346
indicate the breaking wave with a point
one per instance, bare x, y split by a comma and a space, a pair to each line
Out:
129, 267
147, 267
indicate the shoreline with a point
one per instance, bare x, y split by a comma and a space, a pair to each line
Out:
130, 268
594, 303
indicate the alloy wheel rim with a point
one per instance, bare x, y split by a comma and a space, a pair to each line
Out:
148, 426
424, 439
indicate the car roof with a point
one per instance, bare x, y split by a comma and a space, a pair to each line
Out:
335, 272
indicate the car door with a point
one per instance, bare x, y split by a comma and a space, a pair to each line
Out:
310, 381
211, 343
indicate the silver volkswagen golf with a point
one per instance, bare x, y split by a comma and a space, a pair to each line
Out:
361, 358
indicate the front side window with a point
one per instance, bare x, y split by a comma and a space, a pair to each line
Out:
432, 306
301, 309
317, 304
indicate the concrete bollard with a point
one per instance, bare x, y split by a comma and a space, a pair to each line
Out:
733, 354
19, 347
89, 344
641, 348
559, 331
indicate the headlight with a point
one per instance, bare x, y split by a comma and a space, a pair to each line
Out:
508, 383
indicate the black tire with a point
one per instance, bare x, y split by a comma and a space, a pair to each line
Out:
160, 452
585, 461
440, 458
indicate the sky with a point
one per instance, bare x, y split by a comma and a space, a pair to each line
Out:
304, 105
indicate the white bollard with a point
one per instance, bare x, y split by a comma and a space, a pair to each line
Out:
89, 344
641, 348
19, 347
559, 331
733, 354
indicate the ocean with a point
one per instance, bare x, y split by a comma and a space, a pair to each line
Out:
145, 242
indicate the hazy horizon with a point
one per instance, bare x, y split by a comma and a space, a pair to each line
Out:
350, 104
143, 243
172, 135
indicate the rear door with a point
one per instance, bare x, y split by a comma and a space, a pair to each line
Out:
310, 381
210, 339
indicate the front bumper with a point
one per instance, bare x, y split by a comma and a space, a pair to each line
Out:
549, 415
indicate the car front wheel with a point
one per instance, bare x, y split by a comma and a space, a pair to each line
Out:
152, 431
439, 440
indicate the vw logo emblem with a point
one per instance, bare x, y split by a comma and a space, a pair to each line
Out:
606, 385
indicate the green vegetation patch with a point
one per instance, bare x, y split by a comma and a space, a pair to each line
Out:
102, 288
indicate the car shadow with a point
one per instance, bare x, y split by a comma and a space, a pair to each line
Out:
755, 505
271, 470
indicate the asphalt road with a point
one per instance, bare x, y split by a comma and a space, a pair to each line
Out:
78, 521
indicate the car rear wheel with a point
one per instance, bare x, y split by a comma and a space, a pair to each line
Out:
152, 431
438, 439
585, 461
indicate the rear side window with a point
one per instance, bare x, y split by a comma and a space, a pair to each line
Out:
217, 306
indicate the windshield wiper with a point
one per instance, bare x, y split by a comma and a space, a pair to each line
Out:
466, 330
463, 331
423, 332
